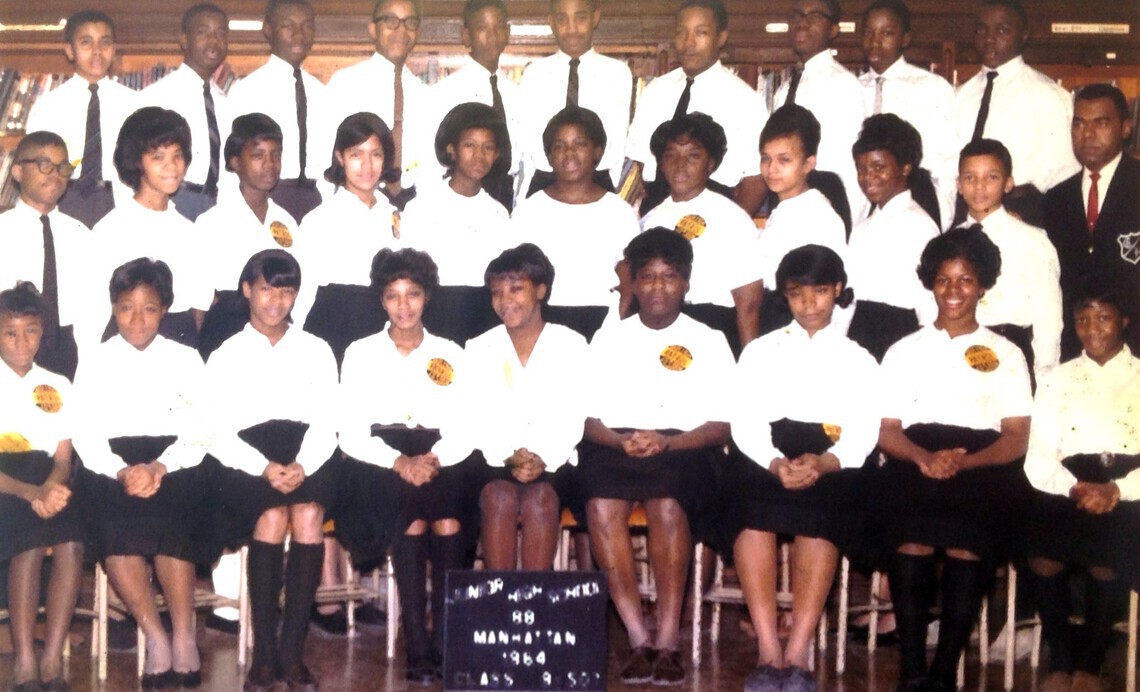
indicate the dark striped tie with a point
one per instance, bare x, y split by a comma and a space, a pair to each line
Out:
92, 173
572, 83
793, 87
215, 140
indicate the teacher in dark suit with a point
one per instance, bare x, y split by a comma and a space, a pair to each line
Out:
1093, 218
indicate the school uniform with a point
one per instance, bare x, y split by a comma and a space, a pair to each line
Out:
22, 235
669, 380
183, 92
584, 243
805, 219
926, 101
821, 398
63, 110
951, 393
890, 300
272, 89
605, 87
1025, 304
834, 96
716, 92
230, 233
37, 411
1029, 113
127, 399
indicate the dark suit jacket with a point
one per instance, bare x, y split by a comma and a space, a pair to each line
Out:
1109, 256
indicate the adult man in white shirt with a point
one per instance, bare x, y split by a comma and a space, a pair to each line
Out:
575, 75
703, 84
295, 100
192, 91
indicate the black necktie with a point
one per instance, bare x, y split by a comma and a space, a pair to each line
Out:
984, 109
215, 140
572, 83
796, 74
683, 103
49, 289
92, 173
302, 120
497, 98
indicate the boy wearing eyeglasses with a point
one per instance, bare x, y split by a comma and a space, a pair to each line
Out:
45, 246
384, 85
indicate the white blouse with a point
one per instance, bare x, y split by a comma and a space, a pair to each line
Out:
39, 407
462, 234
231, 233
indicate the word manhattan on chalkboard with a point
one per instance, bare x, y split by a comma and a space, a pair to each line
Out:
525, 631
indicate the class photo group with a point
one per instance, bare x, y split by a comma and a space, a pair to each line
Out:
885, 320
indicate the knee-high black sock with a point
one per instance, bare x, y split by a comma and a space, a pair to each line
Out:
447, 553
963, 586
302, 577
409, 559
912, 594
1089, 655
1051, 598
264, 577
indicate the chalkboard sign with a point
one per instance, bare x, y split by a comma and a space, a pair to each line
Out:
525, 631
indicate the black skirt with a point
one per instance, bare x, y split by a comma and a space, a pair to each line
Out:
174, 522
980, 510
877, 326
21, 528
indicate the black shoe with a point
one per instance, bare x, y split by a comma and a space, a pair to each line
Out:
369, 615
421, 672
260, 679
190, 680
55, 685
32, 685
220, 624
122, 635
861, 633
159, 681
335, 624
299, 679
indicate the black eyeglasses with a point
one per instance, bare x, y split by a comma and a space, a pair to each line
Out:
45, 166
391, 22
798, 16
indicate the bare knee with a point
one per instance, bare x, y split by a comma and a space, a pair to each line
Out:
1102, 573
445, 527
539, 505
271, 525
306, 520
666, 513
607, 514
1044, 567
915, 549
499, 498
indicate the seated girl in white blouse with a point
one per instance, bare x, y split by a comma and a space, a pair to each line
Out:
38, 508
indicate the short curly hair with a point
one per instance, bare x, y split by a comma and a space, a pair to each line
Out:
696, 127
414, 265
584, 118
969, 244
669, 246
143, 131
525, 260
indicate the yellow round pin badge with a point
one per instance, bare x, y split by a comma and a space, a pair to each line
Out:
47, 398
676, 358
12, 442
281, 234
832, 431
440, 372
981, 358
691, 226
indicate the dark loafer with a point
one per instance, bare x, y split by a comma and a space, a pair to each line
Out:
190, 680
667, 669
638, 668
764, 679
299, 679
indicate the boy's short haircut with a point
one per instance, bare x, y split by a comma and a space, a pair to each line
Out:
473, 7
715, 6
696, 127
191, 14
145, 130
1095, 92
584, 118
1096, 290
380, 3
86, 17
1014, 6
987, 147
251, 127
896, 7
36, 140
273, 5
524, 260
833, 10
669, 246
793, 119
592, 3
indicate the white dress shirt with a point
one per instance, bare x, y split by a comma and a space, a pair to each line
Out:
1106, 173
1085, 408
605, 87
271, 89
378, 384
632, 387
38, 406
472, 83
716, 92
825, 378
926, 378
1028, 290
538, 406
370, 86
229, 233
181, 91
22, 237
1030, 114
123, 391
805, 219
726, 254
835, 97
883, 253
63, 110
583, 241
462, 234
250, 381
926, 101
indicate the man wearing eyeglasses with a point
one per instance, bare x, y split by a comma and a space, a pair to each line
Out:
828, 90
45, 246
384, 85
